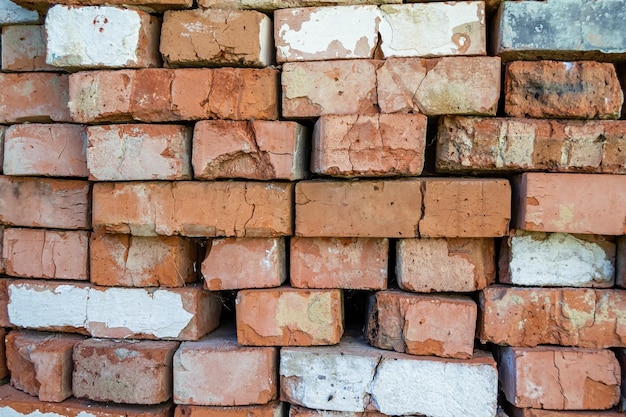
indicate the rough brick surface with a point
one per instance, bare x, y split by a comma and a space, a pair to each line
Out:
12, 14
41, 202
257, 149
161, 95
272, 5
445, 265
536, 412
41, 363
247, 374
362, 145
271, 409
557, 259
297, 411
560, 378
571, 203
130, 372
551, 89
620, 354
584, 318
24, 48
217, 37
138, 261
28, 97
475, 144
242, 209
422, 324
452, 85
148, 5
50, 254
349, 263
4, 301
289, 317
45, 150
236, 263
139, 152
2, 131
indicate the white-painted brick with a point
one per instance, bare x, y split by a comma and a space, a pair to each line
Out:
11, 14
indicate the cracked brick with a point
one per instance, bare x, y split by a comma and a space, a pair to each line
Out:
34, 97
271, 409
24, 48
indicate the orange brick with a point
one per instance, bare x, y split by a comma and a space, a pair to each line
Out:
445, 265
150, 5
536, 412
581, 317
137, 261
560, 378
41, 363
298, 411
2, 267
42, 202
34, 97
4, 301
289, 317
41, 253
272, 409
236, 263
552, 89
24, 48
571, 203
242, 209
56, 150
363, 145
348, 263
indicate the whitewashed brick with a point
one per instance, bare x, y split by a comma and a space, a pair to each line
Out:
12, 14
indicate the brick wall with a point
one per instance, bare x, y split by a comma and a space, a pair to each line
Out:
255, 208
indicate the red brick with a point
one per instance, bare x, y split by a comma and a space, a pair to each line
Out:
139, 152
2, 131
150, 5
571, 203
289, 317
137, 261
50, 254
4, 301
34, 97
272, 409
422, 324
2, 267
581, 317
298, 411
42, 202
536, 412
551, 89
4, 371
56, 150
24, 48
41, 363
242, 209
560, 378
445, 265
248, 374
257, 149
20, 404
129, 372
161, 95
349, 263
236, 263
363, 145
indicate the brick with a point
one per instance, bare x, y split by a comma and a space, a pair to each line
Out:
551, 89
272, 409
45, 150
216, 37
236, 263
42, 202
536, 412
41, 363
362, 145
557, 259
123, 371
445, 264
620, 354
438, 86
4, 301
289, 317
2, 131
256, 149
248, 374
24, 48
311, 89
2, 267
49, 254
454, 28
147, 5
421, 324
12, 13
34, 97
370, 376
348, 263
490, 144
272, 5
137, 261
585, 318
571, 203
297, 411
242, 209
4, 371
620, 262
560, 378
320, 33
139, 152
162, 95
548, 30
15, 403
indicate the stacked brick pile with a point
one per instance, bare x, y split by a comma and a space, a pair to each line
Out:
397, 218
